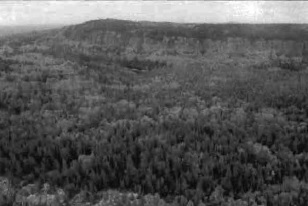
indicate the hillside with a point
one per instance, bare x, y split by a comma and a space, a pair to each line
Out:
113, 112
118, 39
197, 40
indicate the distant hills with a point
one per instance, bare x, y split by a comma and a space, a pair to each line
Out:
9, 30
131, 38
123, 38
297, 32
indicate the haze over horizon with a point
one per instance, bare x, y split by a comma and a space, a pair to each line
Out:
17, 13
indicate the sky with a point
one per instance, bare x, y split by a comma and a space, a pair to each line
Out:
74, 12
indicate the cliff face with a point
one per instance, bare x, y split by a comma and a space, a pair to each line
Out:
145, 38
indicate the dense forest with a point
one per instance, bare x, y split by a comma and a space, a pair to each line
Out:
297, 32
181, 132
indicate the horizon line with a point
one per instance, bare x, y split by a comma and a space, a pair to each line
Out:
140, 21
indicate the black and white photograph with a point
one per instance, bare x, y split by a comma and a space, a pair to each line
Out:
153, 103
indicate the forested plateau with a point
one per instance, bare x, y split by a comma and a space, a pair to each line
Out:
113, 112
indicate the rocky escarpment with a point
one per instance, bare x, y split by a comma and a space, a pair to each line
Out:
192, 40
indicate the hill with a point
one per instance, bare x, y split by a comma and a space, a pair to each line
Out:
197, 39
